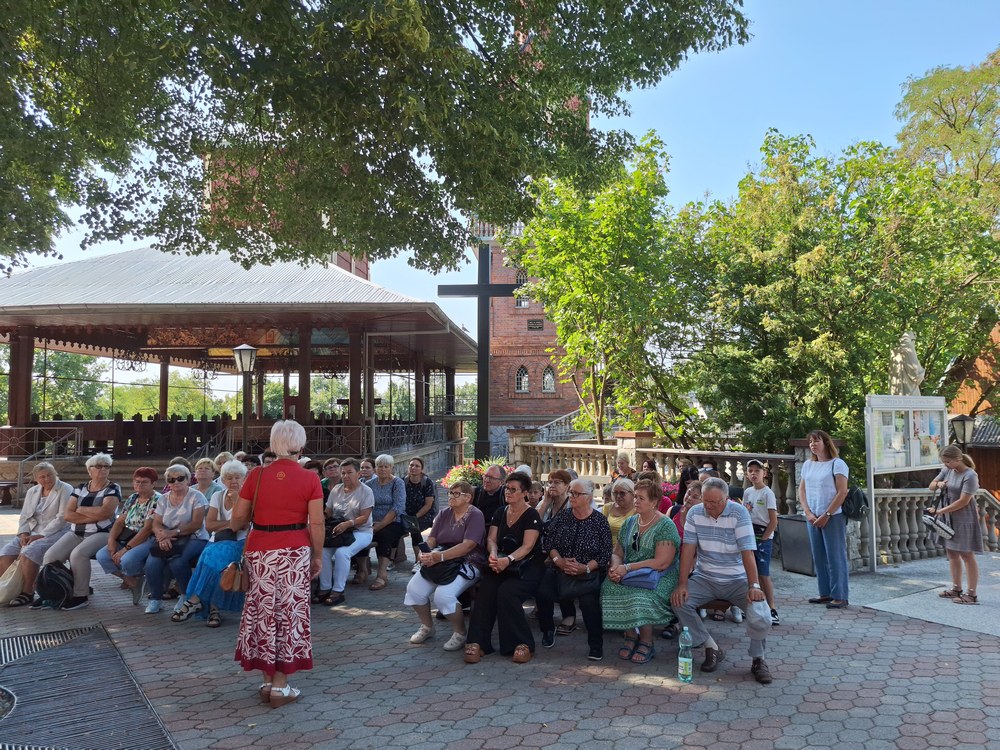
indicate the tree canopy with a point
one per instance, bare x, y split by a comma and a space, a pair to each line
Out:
318, 127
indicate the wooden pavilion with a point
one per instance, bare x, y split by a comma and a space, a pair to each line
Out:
148, 306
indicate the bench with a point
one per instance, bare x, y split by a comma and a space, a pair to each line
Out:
6, 496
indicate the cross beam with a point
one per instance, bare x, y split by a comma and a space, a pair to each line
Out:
482, 291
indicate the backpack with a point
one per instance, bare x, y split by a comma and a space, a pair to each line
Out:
54, 584
855, 505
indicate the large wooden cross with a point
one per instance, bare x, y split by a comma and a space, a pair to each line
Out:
482, 291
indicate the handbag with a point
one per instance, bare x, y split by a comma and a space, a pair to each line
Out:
642, 578
11, 582
937, 524
410, 524
574, 587
330, 540
234, 577
444, 572
226, 535
175, 549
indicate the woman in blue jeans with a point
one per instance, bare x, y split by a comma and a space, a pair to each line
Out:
131, 538
822, 491
179, 530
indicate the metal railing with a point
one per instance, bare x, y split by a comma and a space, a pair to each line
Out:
396, 437
50, 442
442, 405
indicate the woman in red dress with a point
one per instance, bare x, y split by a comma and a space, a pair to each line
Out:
283, 553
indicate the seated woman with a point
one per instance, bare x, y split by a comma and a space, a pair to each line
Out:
204, 478
578, 546
648, 540
457, 534
40, 525
390, 505
514, 569
179, 528
225, 547
352, 500
621, 508
131, 537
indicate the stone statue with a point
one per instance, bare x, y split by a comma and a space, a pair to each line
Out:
905, 372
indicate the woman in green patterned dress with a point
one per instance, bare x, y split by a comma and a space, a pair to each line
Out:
648, 540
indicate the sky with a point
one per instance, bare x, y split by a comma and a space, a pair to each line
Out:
833, 70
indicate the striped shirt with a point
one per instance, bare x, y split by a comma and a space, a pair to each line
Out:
720, 541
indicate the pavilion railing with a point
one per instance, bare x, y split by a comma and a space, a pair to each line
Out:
401, 437
61, 442
443, 405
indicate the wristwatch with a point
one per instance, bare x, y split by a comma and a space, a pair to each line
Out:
755, 586
828, 514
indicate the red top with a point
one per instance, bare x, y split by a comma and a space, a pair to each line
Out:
285, 491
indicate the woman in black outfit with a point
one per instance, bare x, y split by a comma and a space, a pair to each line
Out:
514, 568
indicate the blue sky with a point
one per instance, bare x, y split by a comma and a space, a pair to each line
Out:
833, 70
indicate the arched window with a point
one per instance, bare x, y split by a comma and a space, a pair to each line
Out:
521, 380
521, 279
548, 380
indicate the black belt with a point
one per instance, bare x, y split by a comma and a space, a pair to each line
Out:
286, 527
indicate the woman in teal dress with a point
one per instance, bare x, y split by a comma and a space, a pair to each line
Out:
648, 539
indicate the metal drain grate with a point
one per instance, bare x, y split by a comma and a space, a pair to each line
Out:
109, 709
20, 646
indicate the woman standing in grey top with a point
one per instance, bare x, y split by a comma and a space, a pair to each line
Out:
960, 483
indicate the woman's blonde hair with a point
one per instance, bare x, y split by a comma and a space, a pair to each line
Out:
953, 451
831, 449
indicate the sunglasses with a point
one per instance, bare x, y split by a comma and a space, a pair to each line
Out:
635, 541
576, 493
171, 480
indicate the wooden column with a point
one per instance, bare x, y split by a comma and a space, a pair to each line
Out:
164, 386
260, 391
22, 360
305, 374
355, 367
449, 391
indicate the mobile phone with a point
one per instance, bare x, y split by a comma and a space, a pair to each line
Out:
424, 547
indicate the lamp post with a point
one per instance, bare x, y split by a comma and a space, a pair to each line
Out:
246, 357
964, 427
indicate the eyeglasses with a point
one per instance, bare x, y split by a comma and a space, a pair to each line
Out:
621, 493
553, 482
456, 493
512, 490
492, 479
576, 493
171, 480
101, 466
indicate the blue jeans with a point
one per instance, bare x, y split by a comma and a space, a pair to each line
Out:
829, 553
133, 561
179, 567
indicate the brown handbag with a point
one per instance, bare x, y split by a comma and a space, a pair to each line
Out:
235, 576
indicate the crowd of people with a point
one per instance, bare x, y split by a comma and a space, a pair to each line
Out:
297, 527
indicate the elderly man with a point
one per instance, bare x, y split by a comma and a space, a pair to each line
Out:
721, 533
489, 498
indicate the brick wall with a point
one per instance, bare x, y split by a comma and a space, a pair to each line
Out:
519, 337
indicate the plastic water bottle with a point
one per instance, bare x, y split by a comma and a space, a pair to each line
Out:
684, 660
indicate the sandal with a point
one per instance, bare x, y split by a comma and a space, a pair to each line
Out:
473, 653
283, 696
379, 584
951, 594
171, 594
628, 648
671, 631
644, 653
565, 628
20, 600
718, 615
264, 691
966, 599
186, 612
522, 654
322, 597
214, 619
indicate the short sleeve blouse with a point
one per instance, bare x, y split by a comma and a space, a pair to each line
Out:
218, 502
417, 494
283, 500
510, 538
350, 504
471, 527
821, 486
174, 516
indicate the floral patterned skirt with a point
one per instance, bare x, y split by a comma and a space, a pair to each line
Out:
274, 629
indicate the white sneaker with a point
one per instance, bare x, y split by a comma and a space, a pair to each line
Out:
456, 642
703, 614
422, 634
737, 614
153, 607
415, 568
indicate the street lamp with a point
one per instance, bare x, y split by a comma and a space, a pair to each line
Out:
964, 427
246, 357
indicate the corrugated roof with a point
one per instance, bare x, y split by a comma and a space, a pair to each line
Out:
149, 276
987, 432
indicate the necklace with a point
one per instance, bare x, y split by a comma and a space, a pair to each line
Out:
512, 519
641, 524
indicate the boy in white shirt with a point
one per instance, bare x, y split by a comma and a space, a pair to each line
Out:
763, 507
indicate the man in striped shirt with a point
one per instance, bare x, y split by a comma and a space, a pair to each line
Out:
721, 533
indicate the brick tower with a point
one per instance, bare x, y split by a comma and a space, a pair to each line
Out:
524, 383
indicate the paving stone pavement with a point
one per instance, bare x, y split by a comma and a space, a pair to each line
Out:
849, 679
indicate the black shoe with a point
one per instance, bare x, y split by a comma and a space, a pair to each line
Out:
440, 616
76, 602
548, 639
775, 620
713, 658
760, 671
596, 653
38, 603
336, 598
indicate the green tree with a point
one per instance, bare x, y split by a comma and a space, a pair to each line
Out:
68, 385
325, 392
274, 400
815, 271
186, 396
604, 264
951, 120
466, 393
361, 127
397, 401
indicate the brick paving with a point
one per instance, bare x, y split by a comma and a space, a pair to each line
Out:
850, 679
